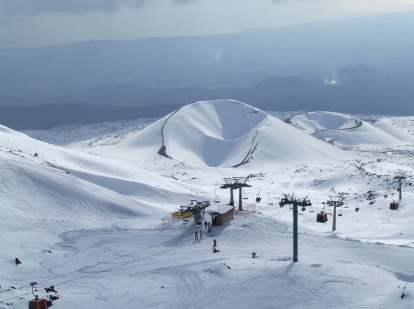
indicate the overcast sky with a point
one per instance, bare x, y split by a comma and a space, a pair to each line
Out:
32, 23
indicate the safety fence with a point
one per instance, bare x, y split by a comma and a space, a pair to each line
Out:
248, 208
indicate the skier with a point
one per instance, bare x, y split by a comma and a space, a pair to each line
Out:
196, 236
17, 261
201, 234
205, 224
214, 243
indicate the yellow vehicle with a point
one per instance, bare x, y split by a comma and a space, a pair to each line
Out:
195, 209
182, 214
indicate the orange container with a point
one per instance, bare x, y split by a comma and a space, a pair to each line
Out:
39, 303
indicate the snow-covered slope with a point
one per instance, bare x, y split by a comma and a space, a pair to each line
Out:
77, 182
349, 132
223, 133
89, 224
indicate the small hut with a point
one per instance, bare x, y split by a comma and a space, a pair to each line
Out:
38, 303
221, 215
322, 217
394, 205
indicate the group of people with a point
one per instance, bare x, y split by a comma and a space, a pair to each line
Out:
199, 235
215, 250
196, 235
207, 225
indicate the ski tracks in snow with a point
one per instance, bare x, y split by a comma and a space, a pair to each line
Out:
189, 287
188, 283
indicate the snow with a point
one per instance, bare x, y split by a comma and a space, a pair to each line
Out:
349, 132
316, 121
222, 133
222, 209
93, 218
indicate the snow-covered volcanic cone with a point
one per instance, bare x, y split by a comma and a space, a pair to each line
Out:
224, 133
347, 131
316, 121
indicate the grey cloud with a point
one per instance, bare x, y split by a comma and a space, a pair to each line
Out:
183, 1
284, 1
33, 7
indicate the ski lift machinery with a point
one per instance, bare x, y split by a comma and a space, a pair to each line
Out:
195, 209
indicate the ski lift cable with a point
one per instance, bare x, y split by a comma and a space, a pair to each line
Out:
220, 195
287, 210
123, 264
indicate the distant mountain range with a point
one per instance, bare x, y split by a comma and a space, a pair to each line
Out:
361, 65
52, 115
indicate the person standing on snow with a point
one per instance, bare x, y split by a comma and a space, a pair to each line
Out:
201, 234
205, 224
196, 236
214, 243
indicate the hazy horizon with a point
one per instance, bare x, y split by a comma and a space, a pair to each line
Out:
46, 23
346, 57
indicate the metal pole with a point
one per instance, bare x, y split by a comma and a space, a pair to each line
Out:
334, 217
240, 199
399, 187
231, 197
295, 231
